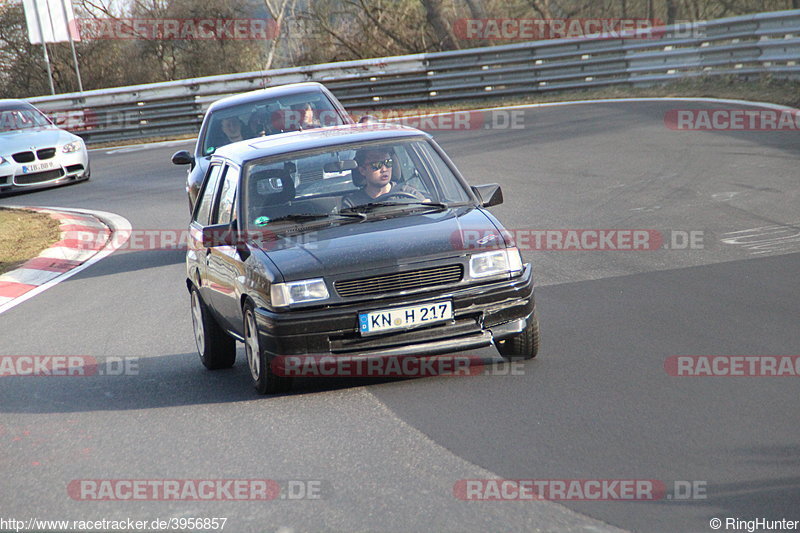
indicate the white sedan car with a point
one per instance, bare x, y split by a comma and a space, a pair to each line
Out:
34, 152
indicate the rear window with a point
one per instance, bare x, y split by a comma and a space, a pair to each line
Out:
269, 117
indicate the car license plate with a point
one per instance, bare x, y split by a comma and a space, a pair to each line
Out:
36, 167
404, 317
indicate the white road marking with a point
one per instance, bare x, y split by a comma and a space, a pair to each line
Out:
62, 252
724, 196
29, 276
766, 239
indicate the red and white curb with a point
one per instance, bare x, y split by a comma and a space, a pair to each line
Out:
86, 238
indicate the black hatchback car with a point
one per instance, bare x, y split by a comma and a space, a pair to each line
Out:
389, 253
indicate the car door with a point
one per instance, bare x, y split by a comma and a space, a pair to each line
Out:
197, 252
224, 265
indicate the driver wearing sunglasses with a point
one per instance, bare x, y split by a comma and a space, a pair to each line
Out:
375, 180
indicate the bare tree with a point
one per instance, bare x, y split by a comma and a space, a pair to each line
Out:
441, 28
672, 11
476, 9
277, 9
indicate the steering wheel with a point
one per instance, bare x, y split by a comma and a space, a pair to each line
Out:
400, 194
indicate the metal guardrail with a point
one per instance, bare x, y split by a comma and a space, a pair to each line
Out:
764, 43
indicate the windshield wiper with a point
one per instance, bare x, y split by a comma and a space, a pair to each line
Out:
437, 205
305, 217
416, 205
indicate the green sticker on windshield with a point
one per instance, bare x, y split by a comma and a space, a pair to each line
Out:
261, 221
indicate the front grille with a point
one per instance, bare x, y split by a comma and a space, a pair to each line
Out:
400, 281
46, 153
38, 177
23, 157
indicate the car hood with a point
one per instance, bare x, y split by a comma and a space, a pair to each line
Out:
376, 244
22, 140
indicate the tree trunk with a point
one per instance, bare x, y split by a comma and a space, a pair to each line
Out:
277, 13
444, 33
672, 11
477, 11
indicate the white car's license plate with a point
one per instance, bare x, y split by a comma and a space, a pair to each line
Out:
404, 317
37, 167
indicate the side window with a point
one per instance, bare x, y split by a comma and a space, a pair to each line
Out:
227, 197
452, 191
420, 175
207, 196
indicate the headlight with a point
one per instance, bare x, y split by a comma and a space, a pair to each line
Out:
3, 160
295, 292
508, 261
74, 146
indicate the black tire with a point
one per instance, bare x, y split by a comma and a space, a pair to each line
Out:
525, 345
217, 349
264, 379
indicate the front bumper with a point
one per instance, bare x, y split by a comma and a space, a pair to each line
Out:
64, 168
482, 314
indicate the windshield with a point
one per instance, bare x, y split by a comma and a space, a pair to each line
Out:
269, 117
400, 176
14, 118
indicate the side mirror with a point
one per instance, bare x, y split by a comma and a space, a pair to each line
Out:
489, 195
220, 235
182, 158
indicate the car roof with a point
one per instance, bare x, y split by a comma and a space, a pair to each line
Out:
283, 143
270, 92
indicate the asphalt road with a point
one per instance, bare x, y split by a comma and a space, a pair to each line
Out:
596, 404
